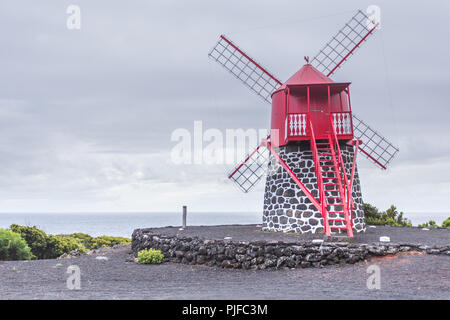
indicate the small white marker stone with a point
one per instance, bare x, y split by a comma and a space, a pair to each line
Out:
425, 229
227, 238
102, 258
385, 239
317, 241
372, 227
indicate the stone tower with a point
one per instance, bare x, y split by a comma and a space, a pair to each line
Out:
286, 208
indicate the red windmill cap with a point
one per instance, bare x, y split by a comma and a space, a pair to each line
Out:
307, 75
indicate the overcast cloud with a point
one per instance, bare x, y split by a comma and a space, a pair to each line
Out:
86, 115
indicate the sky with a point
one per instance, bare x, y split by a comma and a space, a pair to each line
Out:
86, 116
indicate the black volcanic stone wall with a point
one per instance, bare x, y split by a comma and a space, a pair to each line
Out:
267, 254
286, 207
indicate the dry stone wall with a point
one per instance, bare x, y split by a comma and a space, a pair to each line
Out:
267, 254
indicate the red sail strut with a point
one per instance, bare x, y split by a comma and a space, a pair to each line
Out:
253, 61
351, 51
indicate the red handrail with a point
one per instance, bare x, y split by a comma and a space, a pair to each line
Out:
317, 169
349, 197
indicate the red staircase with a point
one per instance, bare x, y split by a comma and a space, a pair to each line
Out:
334, 190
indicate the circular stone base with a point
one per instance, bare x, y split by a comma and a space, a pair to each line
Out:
286, 207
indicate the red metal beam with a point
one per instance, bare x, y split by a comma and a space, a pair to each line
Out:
253, 61
294, 177
375, 160
351, 51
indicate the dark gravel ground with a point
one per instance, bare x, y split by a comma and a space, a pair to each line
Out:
434, 236
405, 276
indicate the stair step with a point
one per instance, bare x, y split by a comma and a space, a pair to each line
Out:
328, 158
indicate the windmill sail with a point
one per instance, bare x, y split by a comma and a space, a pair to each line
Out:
375, 146
251, 170
249, 72
344, 43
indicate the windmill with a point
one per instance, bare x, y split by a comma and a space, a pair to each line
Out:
312, 180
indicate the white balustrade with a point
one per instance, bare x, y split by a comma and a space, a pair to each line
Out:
342, 123
297, 124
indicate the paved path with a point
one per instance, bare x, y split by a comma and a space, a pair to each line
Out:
405, 276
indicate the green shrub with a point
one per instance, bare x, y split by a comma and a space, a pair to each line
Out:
150, 256
85, 239
395, 218
372, 215
13, 247
446, 223
45, 246
35, 238
429, 224
58, 245
107, 241
389, 217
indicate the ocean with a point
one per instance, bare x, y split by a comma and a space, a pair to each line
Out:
120, 224
123, 224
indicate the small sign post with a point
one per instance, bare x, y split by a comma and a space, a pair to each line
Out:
184, 217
